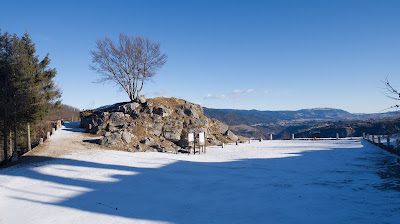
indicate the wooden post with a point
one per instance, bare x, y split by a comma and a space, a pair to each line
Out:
270, 137
397, 144
363, 135
292, 136
379, 140
237, 143
48, 135
194, 144
373, 138
337, 136
223, 145
29, 138
261, 139
388, 141
15, 152
40, 141
205, 141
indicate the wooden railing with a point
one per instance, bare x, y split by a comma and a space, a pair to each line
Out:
390, 143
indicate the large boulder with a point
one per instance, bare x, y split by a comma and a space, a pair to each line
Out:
162, 111
199, 122
126, 137
110, 138
128, 108
190, 110
231, 136
173, 135
117, 118
222, 127
141, 99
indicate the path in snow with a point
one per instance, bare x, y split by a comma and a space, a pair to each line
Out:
345, 181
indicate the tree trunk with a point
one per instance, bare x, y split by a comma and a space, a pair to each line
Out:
15, 152
29, 139
5, 134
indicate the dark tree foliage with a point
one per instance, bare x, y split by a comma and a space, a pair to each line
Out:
28, 92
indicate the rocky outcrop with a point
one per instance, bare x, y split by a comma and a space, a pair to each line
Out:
158, 124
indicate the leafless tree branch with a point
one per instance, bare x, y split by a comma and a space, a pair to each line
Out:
129, 63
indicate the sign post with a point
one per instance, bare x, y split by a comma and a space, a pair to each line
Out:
202, 141
191, 139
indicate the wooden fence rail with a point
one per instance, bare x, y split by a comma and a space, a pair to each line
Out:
390, 143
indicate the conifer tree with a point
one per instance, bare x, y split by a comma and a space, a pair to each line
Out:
28, 90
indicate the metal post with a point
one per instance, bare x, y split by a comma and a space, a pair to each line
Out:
388, 141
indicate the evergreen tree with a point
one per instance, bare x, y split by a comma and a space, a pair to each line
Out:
28, 90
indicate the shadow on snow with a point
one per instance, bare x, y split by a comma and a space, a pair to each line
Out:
295, 188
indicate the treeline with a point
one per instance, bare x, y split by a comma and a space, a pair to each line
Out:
28, 92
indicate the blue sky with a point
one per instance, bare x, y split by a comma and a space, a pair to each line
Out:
265, 55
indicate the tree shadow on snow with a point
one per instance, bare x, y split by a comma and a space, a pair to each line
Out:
244, 191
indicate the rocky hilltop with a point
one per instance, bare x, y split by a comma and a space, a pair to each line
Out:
157, 124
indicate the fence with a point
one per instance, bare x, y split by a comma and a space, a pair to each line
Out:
390, 143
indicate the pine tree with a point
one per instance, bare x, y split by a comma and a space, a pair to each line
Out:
28, 90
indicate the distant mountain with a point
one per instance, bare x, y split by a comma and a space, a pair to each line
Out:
255, 123
251, 117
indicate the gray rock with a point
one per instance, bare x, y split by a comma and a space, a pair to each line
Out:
111, 128
147, 141
110, 138
191, 113
199, 122
222, 127
157, 118
157, 129
180, 113
139, 148
141, 99
231, 136
215, 142
174, 135
151, 150
129, 107
162, 111
126, 137
117, 118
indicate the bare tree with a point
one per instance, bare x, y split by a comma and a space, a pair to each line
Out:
129, 63
392, 93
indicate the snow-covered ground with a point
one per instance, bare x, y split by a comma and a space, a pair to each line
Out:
345, 181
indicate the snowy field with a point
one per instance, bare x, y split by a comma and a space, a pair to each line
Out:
345, 181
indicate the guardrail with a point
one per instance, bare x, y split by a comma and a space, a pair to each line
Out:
390, 143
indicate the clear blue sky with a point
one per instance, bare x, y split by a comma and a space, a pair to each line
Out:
265, 55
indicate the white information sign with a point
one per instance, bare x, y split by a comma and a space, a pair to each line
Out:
190, 137
201, 138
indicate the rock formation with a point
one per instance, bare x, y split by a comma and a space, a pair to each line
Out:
157, 124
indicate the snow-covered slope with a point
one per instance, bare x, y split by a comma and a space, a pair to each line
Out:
345, 181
